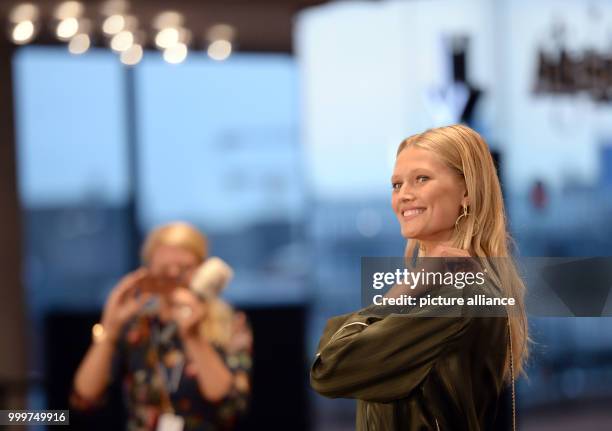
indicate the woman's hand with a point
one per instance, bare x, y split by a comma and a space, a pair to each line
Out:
441, 258
188, 311
454, 259
124, 301
242, 337
440, 250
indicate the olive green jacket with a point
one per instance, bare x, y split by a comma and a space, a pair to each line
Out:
414, 373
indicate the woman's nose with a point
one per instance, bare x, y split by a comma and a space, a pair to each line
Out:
406, 193
173, 271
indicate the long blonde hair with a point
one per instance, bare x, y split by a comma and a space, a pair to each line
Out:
217, 327
483, 232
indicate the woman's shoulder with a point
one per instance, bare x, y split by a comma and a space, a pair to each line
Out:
488, 335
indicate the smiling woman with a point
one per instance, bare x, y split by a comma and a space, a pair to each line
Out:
420, 372
426, 194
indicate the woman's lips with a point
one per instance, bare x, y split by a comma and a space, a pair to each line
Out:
412, 213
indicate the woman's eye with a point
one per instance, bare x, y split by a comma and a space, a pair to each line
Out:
396, 186
422, 178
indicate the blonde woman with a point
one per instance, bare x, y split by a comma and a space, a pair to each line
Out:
185, 363
434, 373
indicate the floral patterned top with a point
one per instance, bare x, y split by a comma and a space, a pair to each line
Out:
150, 357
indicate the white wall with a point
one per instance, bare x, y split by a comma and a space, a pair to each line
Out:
558, 137
365, 67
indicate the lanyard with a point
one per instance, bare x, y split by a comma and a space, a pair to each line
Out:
171, 378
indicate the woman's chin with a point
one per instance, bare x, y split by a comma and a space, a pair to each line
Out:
410, 233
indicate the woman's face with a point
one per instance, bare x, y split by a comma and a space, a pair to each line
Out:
173, 265
427, 195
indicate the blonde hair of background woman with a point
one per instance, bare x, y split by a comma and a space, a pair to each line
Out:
483, 232
217, 326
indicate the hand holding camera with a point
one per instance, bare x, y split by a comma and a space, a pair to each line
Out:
124, 301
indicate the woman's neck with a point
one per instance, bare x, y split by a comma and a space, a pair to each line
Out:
427, 245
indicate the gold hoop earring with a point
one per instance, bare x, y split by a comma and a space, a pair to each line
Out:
466, 214
476, 226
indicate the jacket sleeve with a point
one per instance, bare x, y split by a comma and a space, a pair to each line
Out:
373, 357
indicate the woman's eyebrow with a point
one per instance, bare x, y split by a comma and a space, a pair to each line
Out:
397, 177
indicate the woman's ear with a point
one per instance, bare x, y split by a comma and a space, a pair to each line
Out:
465, 200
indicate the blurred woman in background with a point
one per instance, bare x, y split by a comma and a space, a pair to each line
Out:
185, 362
418, 372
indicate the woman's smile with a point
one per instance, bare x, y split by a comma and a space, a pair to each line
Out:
426, 195
409, 214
